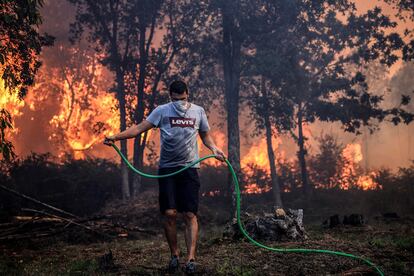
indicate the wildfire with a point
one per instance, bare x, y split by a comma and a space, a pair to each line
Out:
258, 157
255, 189
81, 127
86, 112
367, 182
10, 102
352, 155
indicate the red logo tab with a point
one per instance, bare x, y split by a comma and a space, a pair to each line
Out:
182, 122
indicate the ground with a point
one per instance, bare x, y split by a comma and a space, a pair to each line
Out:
388, 243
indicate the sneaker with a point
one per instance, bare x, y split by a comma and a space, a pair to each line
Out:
190, 267
173, 265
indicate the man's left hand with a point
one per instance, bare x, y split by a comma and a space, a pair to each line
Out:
219, 154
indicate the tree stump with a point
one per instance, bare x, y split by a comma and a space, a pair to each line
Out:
276, 226
354, 220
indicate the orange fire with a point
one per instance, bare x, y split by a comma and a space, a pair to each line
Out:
11, 102
351, 172
255, 189
258, 156
367, 182
86, 112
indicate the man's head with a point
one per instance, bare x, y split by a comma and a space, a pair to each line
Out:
178, 90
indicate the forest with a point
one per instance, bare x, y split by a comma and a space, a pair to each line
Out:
310, 101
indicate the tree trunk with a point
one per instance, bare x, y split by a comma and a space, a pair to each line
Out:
272, 162
124, 150
301, 154
139, 112
231, 66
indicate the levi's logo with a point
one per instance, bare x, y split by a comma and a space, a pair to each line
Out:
182, 122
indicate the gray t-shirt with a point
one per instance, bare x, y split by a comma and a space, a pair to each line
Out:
179, 128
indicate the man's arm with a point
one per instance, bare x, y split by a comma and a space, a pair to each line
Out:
130, 132
209, 143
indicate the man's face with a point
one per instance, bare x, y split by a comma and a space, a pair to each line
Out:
177, 97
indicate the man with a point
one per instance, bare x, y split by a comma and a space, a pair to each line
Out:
179, 121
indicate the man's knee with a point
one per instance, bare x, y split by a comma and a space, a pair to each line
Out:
188, 216
170, 214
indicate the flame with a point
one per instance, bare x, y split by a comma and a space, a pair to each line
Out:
86, 113
258, 157
10, 101
352, 156
253, 188
367, 182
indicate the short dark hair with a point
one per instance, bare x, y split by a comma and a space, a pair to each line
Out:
178, 87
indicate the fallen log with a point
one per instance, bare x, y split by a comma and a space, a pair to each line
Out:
16, 193
64, 219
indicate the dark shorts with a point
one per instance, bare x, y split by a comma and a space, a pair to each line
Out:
180, 191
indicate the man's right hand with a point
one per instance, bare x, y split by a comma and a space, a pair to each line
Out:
109, 141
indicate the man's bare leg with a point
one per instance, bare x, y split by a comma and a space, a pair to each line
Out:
191, 232
170, 227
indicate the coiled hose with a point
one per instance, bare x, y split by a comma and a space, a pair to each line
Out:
240, 223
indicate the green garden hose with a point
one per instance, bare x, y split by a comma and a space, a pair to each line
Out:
240, 223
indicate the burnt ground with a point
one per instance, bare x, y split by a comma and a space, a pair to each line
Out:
387, 242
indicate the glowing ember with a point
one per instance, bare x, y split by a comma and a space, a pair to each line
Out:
254, 189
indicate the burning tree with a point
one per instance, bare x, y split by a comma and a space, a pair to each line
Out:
86, 110
267, 108
110, 26
21, 45
316, 61
116, 26
125, 32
